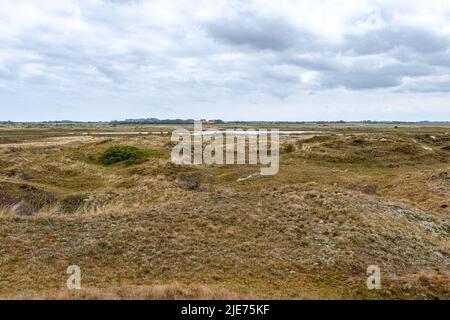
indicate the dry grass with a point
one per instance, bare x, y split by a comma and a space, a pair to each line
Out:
359, 196
174, 291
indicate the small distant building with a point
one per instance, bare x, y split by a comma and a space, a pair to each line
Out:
205, 121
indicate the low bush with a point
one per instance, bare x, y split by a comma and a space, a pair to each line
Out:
288, 148
127, 154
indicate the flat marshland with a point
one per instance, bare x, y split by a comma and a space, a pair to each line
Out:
345, 198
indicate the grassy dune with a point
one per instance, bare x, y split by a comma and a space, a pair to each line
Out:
344, 199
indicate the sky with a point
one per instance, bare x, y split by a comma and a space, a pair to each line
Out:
232, 60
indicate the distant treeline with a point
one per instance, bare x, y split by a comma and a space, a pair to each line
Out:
337, 122
156, 121
218, 121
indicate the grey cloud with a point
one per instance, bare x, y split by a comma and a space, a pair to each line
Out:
5, 72
259, 32
427, 85
376, 59
359, 80
280, 76
119, 53
394, 37
318, 62
439, 59
363, 75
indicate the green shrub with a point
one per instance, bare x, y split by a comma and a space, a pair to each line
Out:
288, 148
127, 154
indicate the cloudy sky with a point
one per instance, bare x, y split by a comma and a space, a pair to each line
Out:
247, 60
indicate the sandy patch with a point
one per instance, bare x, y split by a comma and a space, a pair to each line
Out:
56, 141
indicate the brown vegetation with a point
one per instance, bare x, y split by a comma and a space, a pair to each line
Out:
353, 197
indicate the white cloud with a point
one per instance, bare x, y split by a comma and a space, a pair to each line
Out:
94, 59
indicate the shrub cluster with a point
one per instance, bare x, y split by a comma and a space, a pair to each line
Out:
288, 148
127, 154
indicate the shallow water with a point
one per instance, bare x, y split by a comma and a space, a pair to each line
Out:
124, 133
205, 133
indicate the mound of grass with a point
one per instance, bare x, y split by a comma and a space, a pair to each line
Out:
288, 148
127, 154
193, 182
72, 203
26, 198
317, 139
406, 149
